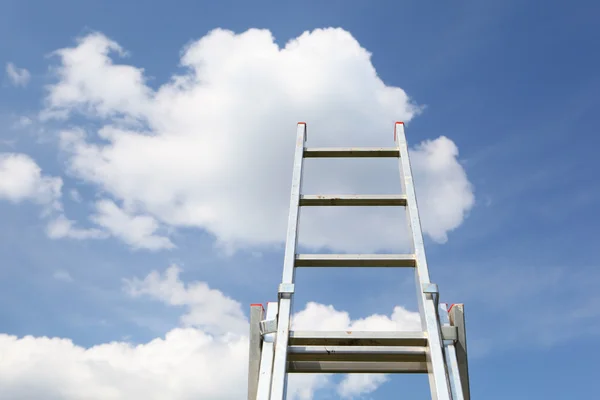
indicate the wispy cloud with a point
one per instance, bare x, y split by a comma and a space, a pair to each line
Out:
528, 305
18, 76
62, 275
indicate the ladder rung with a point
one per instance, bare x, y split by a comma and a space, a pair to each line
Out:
353, 200
357, 338
338, 152
355, 260
357, 353
340, 367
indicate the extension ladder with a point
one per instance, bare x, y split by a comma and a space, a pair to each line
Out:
439, 349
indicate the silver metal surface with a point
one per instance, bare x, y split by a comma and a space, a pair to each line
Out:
357, 353
337, 152
457, 319
451, 360
286, 289
432, 289
268, 326
353, 200
255, 345
266, 359
438, 382
449, 333
355, 260
362, 367
279, 379
439, 349
357, 338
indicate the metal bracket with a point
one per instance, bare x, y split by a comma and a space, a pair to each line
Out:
286, 290
432, 289
450, 333
268, 326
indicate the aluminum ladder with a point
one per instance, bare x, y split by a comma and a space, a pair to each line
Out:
439, 349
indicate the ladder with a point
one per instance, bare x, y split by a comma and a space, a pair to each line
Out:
438, 350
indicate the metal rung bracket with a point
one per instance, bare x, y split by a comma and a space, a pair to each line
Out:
432, 289
268, 326
286, 290
450, 333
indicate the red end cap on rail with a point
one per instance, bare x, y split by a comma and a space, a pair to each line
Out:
301, 123
397, 122
257, 305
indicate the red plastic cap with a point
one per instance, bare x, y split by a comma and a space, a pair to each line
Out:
397, 123
301, 123
256, 305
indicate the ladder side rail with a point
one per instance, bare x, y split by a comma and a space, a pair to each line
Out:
266, 358
451, 358
457, 319
438, 380
286, 289
254, 348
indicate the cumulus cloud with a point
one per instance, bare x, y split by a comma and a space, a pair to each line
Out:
443, 187
62, 227
138, 231
204, 358
360, 384
187, 363
325, 317
208, 309
18, 76
213, 147
22, 179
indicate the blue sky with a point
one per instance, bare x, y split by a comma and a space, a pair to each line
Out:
511, 85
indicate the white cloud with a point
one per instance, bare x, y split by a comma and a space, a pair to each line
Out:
23, 122
21, 179
187, 363
75, 195
138, 231
322, 317
206, 358
444, 191
359, 384
213, 147
18, 76
62, 227
208, 309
